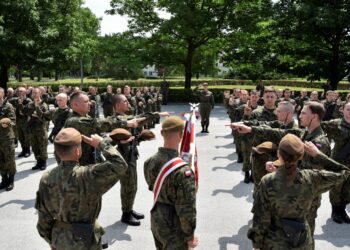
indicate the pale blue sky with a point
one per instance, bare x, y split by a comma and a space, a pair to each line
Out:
110, 24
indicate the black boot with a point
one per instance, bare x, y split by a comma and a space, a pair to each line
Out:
343, 214
37, 165
246, 177
251, 178
22, 153
336, 216
16, 143
240, 158
203, 129
4, 181
43, 165
127, 218
10, 183
27, 152
137, 215
206, 129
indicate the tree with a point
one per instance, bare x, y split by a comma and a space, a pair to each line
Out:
190, 25
316, 37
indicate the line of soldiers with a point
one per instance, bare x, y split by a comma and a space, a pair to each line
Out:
264, 126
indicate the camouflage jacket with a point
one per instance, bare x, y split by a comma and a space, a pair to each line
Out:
206, 98
277, 199
106, 99
21, 115
72, 193
178, 189
95, 101
38, 116
339, 131
140, 105
7, 111
88, 126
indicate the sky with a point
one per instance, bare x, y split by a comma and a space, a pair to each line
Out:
109, 24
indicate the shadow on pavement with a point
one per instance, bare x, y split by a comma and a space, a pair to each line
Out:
230, 157
336, 234
24, 174
26, 204
228, 136
234, 166
116, 232
238, 191
240, 240
228, 146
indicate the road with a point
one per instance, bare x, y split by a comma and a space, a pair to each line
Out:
224, 201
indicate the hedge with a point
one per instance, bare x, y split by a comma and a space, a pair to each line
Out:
102, 83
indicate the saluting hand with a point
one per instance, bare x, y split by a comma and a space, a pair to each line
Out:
270, 167
93, 141
310, 149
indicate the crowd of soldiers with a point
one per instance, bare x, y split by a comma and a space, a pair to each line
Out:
263, 119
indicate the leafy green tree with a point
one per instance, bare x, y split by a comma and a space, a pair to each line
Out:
189, 25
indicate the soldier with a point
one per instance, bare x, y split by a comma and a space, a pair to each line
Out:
19, 104
95, 101
329, 106
132, 103
287, 97
206, 104
173, 216
300, 100
7, 147
68, 220
106, 99
140, 103
339, 131
86, 125
36, 128
284, 198
128, 182
314, 96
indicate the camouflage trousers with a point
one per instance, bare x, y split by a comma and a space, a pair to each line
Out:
340, 194
204, 111
237, 140
108, 111
7, 157
23, 136
38, 139
246, 147
166, 229
128, 188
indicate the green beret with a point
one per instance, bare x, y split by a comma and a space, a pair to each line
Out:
173, 124
68, 137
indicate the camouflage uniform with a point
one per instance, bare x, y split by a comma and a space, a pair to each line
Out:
277, 200
95, 104
173, 218
59, 210
36, 127
21, 122
317, 137
140, 105
107, 104
88, 126
7, 147
206, 104
339, 131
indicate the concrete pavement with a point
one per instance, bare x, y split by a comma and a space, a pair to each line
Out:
224, 201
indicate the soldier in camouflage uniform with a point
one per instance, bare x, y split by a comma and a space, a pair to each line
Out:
300, 100
339, 131
140, 103
95, 101
206, 104
131, 100
261, 114
173, 217
68, 220
37, 128
7, 147
81, 121
19, 104
106, 99
284, 198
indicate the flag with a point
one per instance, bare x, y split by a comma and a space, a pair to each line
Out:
188, 145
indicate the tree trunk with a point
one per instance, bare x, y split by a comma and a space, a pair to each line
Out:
32, 75
20, 75
188, 66
334, 76
57, 75
4, 78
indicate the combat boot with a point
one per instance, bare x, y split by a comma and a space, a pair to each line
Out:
343, 214
4, 181
137, 215
206, 129
127, 218
37, 165
22, 153
239, 158
336, 216
246, 177
43, 165
27, 152
16, 143
10, 184
203, 130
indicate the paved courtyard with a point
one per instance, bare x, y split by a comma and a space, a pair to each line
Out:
224, 201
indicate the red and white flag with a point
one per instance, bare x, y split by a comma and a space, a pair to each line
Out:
188, 145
